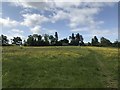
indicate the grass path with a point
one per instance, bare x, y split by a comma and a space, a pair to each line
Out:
109, 81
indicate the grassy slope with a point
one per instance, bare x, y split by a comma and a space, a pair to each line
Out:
41, 67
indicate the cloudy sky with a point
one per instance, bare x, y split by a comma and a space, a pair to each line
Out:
87, 18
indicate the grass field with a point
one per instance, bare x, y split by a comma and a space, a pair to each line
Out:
60, 67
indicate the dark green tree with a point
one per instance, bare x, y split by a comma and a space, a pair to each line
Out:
105, 42
3, 40
52, 40
25, 43
73, 37
115, 44
94, 41
76, 40
89, 44
40, 41
30, 40
17, 41
56, 39
56, 36
64, 42
72, 40
81, 40
46, 39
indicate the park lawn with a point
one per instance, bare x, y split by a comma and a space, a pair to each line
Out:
59, 67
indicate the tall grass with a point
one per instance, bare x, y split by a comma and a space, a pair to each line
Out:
60, 67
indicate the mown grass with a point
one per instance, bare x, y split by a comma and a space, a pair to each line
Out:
60, 67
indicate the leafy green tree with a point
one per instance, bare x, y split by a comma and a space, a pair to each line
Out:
94, 41
3, 40
76, 40
56, 39
56, 36
52, 40
64, 42
30, 40
39, 37
40, 41
105, 42
35, 39
115, 44
89, 44
46, 39
17, 41
72, 39
25, 43
81, 40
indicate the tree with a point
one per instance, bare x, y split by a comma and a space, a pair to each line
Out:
94, 41
46, 39
40, 41
39, 37
25, 43
56, 36
56, 39
3, 40
30, 40
89, 44
81, 40
52, 40
76, 40
35, 40
115, 44
64, 42
72, 40
17, 41
105, 42
73, 37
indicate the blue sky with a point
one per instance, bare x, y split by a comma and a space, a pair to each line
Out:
88, 19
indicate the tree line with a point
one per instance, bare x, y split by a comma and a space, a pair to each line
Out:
50, 40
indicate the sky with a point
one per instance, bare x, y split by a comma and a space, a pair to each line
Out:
86, 18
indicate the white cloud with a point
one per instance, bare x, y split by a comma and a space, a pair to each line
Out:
59, 15
26, 10
105, 32
48, 31
17, 31
7, 22
40, 30
80, 29
33, 19
86, 17
78, 14
36, 30
64, 4
60, 0
42, 5
50, 4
